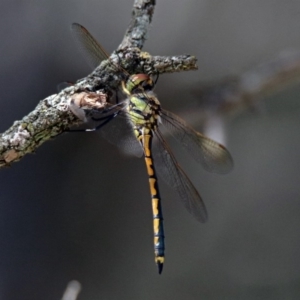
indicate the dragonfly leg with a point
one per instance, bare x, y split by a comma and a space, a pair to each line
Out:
156, 79
106, 120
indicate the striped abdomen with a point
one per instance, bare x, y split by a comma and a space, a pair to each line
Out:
145, 138
144, 112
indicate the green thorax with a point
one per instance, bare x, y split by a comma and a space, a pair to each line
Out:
144, 110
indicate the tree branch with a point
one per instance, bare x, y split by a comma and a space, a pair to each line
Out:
52, 116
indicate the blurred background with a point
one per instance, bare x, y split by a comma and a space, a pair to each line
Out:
80, 209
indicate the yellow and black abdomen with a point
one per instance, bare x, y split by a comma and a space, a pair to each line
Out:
144, 111
159, 245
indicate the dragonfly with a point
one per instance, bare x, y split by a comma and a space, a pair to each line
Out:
136, 125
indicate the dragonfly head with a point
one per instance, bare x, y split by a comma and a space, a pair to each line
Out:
139, 83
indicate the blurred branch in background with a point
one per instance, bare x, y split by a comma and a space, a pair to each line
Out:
72, 290
231, 96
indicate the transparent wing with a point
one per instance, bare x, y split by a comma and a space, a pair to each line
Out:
93, 52
213, 156
118, 130
89, 47
167, 166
